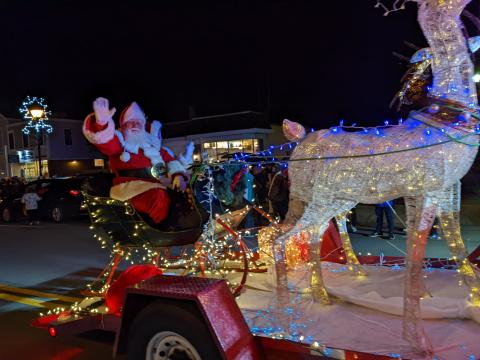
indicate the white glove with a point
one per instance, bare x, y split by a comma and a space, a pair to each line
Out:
189, 150
187, 158
102, 113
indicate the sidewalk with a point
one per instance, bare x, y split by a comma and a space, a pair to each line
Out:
366, 219
436, 248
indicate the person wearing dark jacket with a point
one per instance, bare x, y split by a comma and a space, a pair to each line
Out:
278, 194
380, 209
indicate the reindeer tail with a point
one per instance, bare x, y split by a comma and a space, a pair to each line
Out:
293, 131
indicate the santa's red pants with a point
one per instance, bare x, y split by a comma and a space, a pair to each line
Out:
154, 203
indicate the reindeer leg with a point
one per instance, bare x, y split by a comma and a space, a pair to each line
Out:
449, 216
316, 216
420, 216
283, 297
314, 219
317, 286
353, 264
296, 209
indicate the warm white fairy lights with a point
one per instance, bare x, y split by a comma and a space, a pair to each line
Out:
421, 160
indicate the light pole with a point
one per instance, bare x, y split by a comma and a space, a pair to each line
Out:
36, 113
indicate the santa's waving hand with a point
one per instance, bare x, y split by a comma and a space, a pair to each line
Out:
143, 168
102, 112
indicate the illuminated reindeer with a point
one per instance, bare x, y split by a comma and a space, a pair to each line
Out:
421, 160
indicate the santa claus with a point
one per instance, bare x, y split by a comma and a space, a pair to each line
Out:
143, 168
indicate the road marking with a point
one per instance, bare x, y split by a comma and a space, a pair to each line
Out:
24, 226
29, 301
39, 293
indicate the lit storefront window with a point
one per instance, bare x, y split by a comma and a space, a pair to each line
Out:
28, 170
219, 150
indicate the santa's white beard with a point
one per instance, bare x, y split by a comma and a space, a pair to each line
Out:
146, 141
135, 140
140, 139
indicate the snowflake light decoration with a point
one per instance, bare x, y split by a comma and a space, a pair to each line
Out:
37, 124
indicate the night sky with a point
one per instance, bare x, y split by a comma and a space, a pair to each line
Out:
310, 61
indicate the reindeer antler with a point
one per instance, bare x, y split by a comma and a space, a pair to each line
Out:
397, 6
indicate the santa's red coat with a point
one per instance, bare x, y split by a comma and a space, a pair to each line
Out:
147, 195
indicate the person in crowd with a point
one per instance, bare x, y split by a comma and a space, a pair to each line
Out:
260, 180
278, 192
387, 209
3, 188
30, 200
352, 221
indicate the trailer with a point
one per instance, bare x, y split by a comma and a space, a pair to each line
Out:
178, 317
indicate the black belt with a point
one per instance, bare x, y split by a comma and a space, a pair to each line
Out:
144, 173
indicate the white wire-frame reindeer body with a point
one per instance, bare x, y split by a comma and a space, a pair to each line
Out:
421, 160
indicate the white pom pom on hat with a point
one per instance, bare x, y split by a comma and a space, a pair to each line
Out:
125, 156
132, 112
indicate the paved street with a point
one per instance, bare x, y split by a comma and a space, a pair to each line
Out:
45, 266
42, 267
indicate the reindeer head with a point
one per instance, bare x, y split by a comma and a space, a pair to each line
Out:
293, 131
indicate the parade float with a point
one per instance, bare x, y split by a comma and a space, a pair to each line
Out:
305, 293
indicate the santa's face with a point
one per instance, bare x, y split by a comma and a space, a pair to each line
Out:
133, 126
134, 133
136, 137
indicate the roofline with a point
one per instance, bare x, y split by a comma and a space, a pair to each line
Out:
13, 122
228, 114
214, 116
50, 119
226, 133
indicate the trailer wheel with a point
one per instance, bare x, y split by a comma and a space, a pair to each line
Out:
170, 345
165, 331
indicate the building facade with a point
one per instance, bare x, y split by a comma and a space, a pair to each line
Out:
218, 137
65, 152
4, 169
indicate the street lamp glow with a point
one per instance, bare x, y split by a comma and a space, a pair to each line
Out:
36, 113
476, 77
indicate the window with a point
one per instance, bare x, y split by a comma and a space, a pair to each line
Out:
68, 136
221, 149
11, 141
25, 140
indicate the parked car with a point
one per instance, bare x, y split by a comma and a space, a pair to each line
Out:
61, 200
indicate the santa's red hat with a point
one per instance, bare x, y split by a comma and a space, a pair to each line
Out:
132, 112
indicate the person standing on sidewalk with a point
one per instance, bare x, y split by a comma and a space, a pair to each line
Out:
30, 199
380, 209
